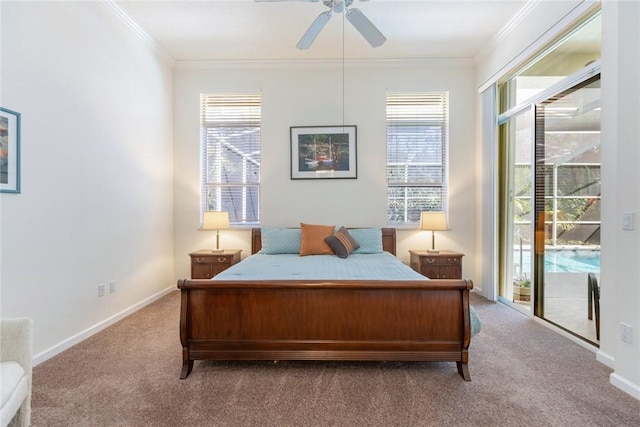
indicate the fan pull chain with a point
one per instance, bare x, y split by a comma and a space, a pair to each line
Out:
343, 18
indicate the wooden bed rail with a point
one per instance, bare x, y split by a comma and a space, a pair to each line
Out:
433, 284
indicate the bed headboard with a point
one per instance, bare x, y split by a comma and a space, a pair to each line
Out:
388, 240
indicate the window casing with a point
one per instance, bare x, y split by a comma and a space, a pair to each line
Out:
230, 155
417, 155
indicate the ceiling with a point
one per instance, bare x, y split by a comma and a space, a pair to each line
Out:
246, 30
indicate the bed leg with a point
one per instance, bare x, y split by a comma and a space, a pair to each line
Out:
187, 365
463, 370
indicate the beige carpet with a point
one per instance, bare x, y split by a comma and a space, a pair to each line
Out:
523, 374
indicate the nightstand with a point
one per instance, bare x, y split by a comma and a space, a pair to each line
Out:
206, 264
441, 265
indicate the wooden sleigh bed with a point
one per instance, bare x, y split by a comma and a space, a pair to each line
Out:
356, 320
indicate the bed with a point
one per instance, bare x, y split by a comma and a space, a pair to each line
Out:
234, 318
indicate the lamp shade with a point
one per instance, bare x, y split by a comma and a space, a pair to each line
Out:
213, 220
433, 221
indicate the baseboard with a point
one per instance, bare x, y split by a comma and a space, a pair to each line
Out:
625, 385
606, 359
478, 291
70, 342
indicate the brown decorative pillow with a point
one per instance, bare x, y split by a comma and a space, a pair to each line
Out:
312, 239
342, 243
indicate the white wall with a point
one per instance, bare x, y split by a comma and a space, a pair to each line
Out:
310, 93
620, 276
96, 201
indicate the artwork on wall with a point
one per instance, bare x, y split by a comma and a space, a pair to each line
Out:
9, 151
323, 152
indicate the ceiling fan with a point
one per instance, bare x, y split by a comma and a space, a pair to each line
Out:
353, 15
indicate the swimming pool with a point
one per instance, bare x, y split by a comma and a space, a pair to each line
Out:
564, 260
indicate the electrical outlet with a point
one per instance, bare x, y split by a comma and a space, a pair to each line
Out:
112, 286
625, 332
627, 220
100, 290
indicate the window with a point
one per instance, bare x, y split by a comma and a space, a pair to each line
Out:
570, 54
417, 146
230, 155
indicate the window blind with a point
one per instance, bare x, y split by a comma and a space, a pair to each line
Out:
417, 155
230, 155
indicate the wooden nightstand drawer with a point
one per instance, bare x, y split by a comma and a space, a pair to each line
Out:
206, 264
442, 265
222, 259
441, 260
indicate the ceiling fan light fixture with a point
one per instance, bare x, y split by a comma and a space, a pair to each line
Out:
357, 19
338, 6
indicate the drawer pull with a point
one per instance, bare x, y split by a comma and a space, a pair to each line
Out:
431, 260
200, 260
222, 259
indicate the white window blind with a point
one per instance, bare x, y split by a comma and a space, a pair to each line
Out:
417, 153
230, 155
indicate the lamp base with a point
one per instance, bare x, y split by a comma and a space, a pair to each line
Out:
433, 251
217, 251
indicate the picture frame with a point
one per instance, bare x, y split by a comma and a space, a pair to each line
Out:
323, 152
9, 151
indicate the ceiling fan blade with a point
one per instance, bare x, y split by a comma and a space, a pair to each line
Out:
365, 27
313, 31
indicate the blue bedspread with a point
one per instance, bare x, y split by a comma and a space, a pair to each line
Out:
383, 266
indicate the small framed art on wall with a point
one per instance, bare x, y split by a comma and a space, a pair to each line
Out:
323, 152
9, 151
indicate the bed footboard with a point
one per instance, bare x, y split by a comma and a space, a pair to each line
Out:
425, 320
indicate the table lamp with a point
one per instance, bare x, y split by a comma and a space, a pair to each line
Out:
434, 221
213, 220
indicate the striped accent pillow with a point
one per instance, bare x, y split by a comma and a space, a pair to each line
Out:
342, 243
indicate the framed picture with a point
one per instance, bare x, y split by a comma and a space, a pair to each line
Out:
9, 151
323, 152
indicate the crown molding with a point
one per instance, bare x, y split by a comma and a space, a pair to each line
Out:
328, 63
139, 32
508, 28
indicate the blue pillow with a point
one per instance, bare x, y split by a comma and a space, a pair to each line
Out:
370, 240
280, 240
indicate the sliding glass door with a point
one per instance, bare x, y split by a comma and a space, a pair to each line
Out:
549, 182
516, 195
567, 207
550, 208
